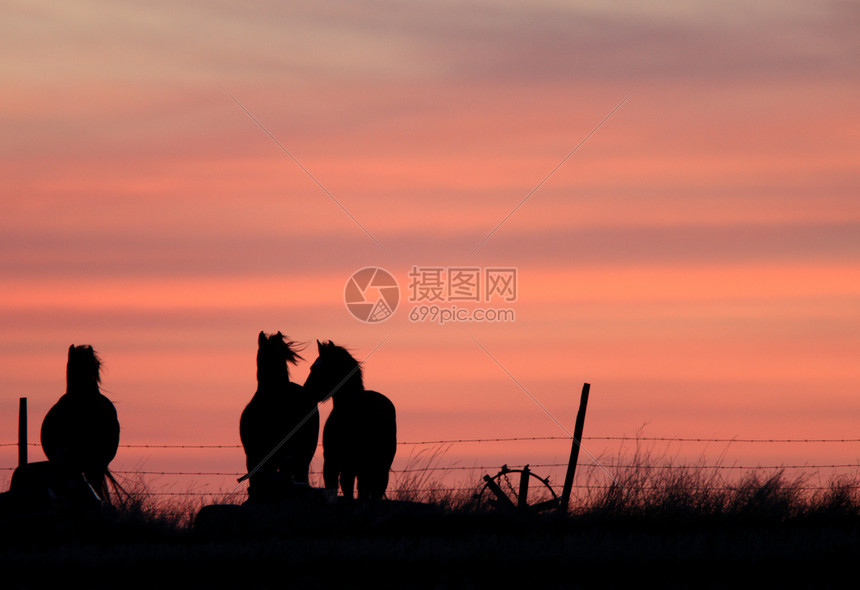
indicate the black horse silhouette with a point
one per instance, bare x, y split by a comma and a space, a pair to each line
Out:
81, 431
281, 420
360, 435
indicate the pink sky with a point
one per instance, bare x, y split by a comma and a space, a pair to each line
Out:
697, 259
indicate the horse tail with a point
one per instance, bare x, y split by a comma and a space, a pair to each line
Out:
120, 492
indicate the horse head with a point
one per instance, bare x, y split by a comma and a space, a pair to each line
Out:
83, 369
334, 372
273, 354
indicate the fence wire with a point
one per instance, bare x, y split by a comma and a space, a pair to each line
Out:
491, 468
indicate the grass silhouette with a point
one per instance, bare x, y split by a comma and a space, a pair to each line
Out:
677, 525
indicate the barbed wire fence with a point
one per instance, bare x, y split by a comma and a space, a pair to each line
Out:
453, 468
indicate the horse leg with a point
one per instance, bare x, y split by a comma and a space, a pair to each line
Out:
98, 481
332, 451
347, 484
300, 475
381, 484
260, 488
372, 484
331, 471
298, 470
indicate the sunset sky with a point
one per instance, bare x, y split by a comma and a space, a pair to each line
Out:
177, 178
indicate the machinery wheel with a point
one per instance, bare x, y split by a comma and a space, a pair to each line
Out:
518, 489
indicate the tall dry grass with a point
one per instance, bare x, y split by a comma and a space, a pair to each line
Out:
422, 480
633, 487
642, 486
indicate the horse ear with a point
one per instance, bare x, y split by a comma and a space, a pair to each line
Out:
319, 346
262, 338
71, 348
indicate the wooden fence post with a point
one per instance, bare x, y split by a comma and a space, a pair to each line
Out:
523, 496
574, 449
22, 432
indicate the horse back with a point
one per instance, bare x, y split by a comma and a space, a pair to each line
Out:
271, 416
380, 406
83, 430
384, 420
365, 426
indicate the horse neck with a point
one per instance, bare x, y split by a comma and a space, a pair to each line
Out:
346, 392
85, 387
272, 379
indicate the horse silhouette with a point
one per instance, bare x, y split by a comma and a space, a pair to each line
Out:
360, 435
281, 420
81, 431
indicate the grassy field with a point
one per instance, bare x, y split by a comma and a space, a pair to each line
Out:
673, 527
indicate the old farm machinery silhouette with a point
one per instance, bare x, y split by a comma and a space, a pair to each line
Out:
511, 489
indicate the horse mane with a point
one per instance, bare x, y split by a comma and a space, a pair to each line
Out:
344, 360
83, 368
286, 349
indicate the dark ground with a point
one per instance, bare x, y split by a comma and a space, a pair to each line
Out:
408, 545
